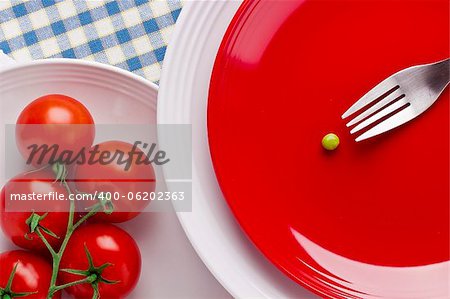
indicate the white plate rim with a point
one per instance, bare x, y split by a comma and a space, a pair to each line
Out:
223, 247
4, 67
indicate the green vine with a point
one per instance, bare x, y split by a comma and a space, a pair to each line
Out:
93, 275
33, 222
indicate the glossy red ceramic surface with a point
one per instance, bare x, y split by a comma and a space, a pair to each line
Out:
285, 73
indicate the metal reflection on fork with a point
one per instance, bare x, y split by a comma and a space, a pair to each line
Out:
398, 99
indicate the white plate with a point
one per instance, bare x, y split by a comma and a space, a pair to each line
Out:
182, 99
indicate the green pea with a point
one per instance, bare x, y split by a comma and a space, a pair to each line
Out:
330, 141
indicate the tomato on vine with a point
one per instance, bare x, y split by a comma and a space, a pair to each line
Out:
20, 224
26, 274
116, 177
54, 120
88, 260
107, 255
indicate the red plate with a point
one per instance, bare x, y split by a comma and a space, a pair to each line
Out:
285, 73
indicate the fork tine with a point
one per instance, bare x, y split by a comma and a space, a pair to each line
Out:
372, 95
379, 115
388, 99
394, 121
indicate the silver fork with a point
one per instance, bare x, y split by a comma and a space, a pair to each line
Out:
399, 98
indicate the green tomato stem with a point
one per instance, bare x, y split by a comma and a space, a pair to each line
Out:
73, 283
61, 173
11, 277
47, 244
57, 256
86, 217
96, 292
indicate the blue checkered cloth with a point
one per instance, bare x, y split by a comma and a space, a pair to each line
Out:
130, 34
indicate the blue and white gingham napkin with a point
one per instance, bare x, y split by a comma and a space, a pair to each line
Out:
130, 34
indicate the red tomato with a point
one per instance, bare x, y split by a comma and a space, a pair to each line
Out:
13, 223
106, 244
115, 178
54, 119
33, 274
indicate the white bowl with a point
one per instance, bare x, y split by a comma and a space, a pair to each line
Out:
112, 95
